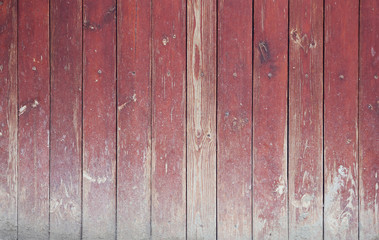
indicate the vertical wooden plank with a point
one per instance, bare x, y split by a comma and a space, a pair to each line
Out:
169, 123
234, 119
66, 119
369, 120
340, 120
34, 111
8, 119
201, 119
270, 220
99, 119
134, 119
305, 120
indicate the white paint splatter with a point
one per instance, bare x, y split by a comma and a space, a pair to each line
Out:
22, 110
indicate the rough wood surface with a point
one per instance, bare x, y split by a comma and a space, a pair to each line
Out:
66, 119
305, 184
270, 220
8, 120
99, 119
169, 120
201, 119
340, 120
369, 120
33, 121
133, 119
234, 119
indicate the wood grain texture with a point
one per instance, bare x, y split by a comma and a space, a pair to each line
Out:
8, 120
133, 119
201, 119
66, 119
305, 120
369, 120
270, 120
340, 120
99, 119
33, 121
234, 119
169, 120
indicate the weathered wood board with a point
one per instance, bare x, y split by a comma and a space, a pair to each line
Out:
369, 120
270, 210
201, 119
99, 119
340, 120
305, 183
169, 120
234, 119
133, 119
8, 120
33, 119
66, 119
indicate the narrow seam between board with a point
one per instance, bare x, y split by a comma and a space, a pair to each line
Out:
216, 112
323, 129
358, 123
117, 113
151, 118
49, 136
82, 127
186, 114
252, 123
323, 121
17, 131
288, 112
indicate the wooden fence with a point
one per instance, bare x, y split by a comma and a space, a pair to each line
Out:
197, 119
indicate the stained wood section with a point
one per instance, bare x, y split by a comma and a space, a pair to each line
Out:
340, 120
201, 119
270, 120
369, 120
33, 121
305, 120
169, 122
133, 119
8, 120
99, 119
66, 122
234, 119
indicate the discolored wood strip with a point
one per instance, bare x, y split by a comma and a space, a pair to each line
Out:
234, 119
66, 119
133, 119
99, 119
369, 120
33, 120
270, 220
8, 120
340, 120
169, 119
305, 120
201, 119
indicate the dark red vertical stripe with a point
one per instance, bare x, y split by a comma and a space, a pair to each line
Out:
305, 119
369, 120
270, 120
34, 111
66, 119
340, 120
168, 126
8, 119
234, 119
134, 119
99, 119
